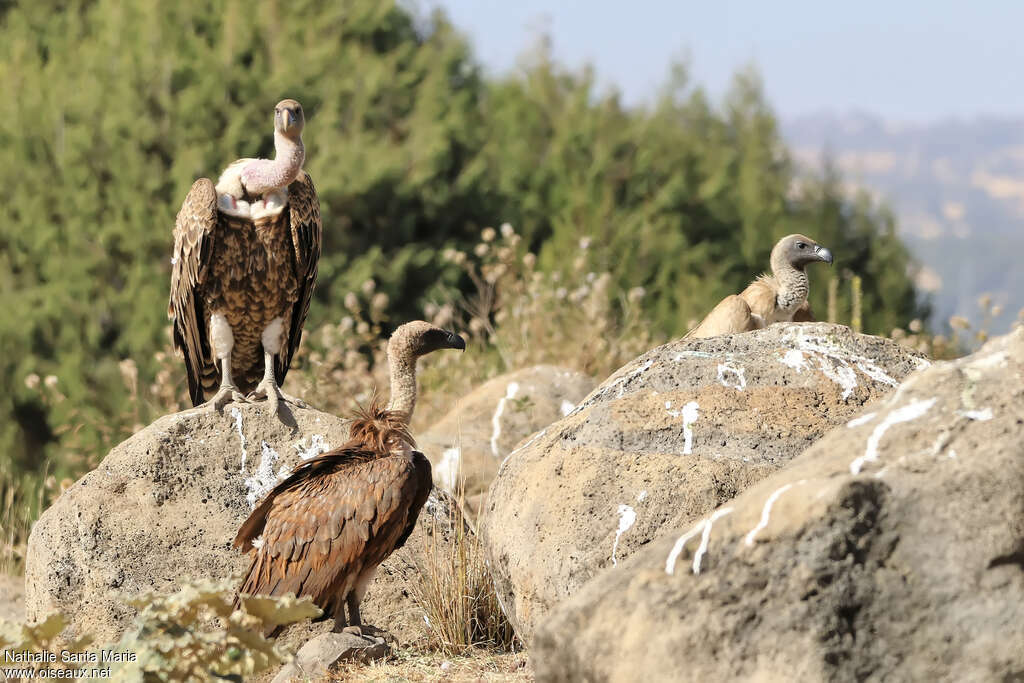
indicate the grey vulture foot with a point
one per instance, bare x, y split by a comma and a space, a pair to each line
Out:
268, 389
228, 393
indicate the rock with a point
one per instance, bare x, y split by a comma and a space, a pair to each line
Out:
318, 657
467, 445
668, 438
892, 549
164, 506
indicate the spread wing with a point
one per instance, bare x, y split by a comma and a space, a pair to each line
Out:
194, 244
306, 229
731, 315
337, 514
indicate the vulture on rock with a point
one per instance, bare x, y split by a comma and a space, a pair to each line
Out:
779, 297
327, 527
243, 271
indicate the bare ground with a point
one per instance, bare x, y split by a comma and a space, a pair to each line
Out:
12, 598
409, 665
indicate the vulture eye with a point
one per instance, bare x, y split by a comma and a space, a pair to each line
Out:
801, 245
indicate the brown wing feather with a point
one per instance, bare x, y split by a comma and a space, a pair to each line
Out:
306, 233
804, 314
195, 230
731, 315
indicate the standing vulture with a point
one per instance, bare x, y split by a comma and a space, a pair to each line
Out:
779, 297
329, 525
243, 271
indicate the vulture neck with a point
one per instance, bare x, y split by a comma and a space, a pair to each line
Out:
793, 285
403, 385
288, 158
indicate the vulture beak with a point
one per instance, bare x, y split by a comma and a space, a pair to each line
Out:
823, 254
456, 342
290, 119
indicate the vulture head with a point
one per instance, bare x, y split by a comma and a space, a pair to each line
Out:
797, 251
419, 338
289, 119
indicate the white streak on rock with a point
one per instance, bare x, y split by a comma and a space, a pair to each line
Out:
317, 445
627, 517
528, 443
702, 526
510, 393
767, 511
566, 407
237, 414
725, 369
689, 413
706, 537
263, 479
909, 412
448, 469
863, 419
641, 497
979, 415
835, 362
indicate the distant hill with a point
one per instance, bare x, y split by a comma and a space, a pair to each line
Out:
958, 189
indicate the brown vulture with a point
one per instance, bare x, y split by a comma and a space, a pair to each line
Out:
329, 524
243, 271
779, 297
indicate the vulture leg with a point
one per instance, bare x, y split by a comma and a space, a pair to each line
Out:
223, 341
268, 387
354, 620
339, 617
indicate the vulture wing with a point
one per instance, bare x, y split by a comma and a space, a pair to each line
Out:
195, 232
804, 314
424, 483
306, 230
337, 514
731, 315
760, 295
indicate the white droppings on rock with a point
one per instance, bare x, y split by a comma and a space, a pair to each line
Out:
317, 445
863, 419
767, 510
627, 517
641, 497
448, 469
689, 413
702, 527
794, 358
740, 381
510, 393
909, 412
237, 414
836, 362
566, 407
979, 415
264, 478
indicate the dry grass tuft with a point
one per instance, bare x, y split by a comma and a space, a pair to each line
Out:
457, 594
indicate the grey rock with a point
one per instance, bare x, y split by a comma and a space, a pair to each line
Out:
892, 549
666, 439
319, 656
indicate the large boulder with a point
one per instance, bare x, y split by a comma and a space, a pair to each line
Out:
164, 506
893, 549
467, 445
669, 437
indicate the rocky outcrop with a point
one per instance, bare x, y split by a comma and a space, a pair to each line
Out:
892, 549
318, 657
467, 445
665, 440
164, 506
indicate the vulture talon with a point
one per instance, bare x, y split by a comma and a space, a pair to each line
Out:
269, 390
355, 630
228, 393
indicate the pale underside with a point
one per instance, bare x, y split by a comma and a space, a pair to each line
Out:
753, 309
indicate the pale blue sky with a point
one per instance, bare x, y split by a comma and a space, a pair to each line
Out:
908, 61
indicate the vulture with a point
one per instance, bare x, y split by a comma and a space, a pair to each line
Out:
328, 525
779, 297
243, 271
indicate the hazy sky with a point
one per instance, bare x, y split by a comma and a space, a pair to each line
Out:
906, 60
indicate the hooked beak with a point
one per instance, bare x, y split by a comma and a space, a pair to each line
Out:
823, 254
456, 342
